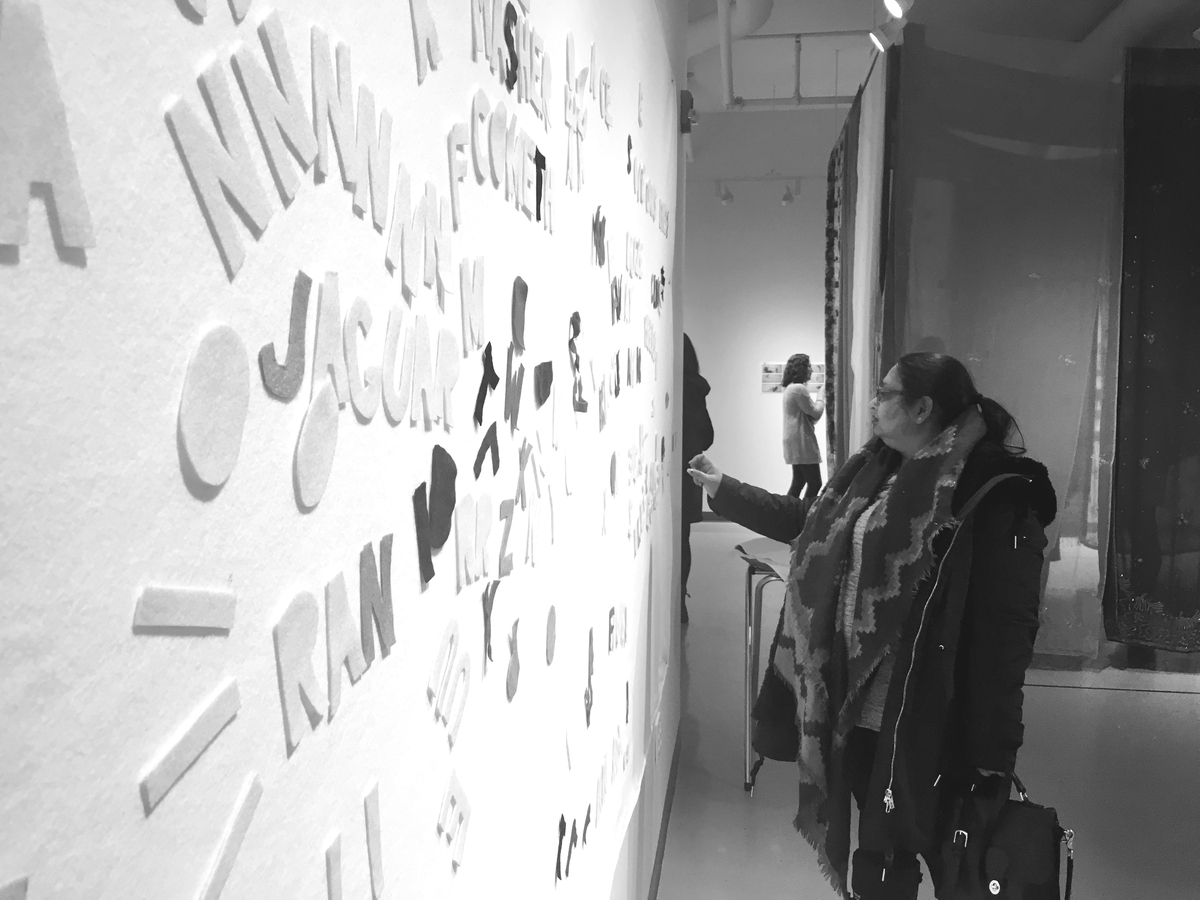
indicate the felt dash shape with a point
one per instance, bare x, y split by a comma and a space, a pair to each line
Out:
15, 890
512, 391
441, 497
587, 820
283, 382
343, 642
612, 474
226, 855
520, 295
36, 147
551, 634
514, 664
488, 383
489, 601
424, 552
316, 446
333, 868
183, 611
189, 743
374, 842
365, 386
212, 409
588, 696
375, 599
295, 637
562, 834
571, 848
490, 442
543, 378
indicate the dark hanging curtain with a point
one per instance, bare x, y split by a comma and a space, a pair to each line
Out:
1005, 252
840, 196
1153, 596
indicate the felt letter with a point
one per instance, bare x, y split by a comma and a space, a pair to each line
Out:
481, 31
465, 555
333, 109
375, 599
374, 843
333, 869
528, 176
364, 387
512, 391
520, 296
489, 443
506, 514
460, 136
450, 683
453, 820
295, 636
342, 642
425, 37
470, 285
441, 496
514, 155
489, 601
537, 90
487, 383
374, 149
283, 382
222, 172
498, 143
35, 141
329, 357
401, 210
276, 105
231, 839
481, 108
445, 377
395, 397
421, 517
543, 378
424, 396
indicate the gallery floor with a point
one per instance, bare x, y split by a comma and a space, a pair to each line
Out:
1117, 752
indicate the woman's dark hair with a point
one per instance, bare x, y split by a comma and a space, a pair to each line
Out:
691, 364
795, 368
950, 386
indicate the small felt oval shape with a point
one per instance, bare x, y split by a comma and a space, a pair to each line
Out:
213, 406
316, 446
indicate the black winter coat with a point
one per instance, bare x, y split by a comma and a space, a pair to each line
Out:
954, 701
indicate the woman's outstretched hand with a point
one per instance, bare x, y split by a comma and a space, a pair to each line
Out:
705, 474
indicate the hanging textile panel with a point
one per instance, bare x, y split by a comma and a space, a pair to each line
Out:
1153, 600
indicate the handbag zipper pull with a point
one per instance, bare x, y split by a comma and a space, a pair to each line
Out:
889, 802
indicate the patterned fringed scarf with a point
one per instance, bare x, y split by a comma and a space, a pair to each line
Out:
828, 680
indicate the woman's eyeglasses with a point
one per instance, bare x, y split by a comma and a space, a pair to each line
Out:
882, 394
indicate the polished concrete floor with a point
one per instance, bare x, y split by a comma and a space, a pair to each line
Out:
1117, 753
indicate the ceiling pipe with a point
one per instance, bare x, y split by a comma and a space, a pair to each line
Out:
733, 20
1101, 55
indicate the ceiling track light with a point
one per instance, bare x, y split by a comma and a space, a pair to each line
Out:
898, 8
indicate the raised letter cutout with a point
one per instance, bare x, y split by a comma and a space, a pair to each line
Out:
364, 387
441, 497
374, 842
375, 599
283, 382
425, 39
342, 641
424, 550
453, 821
295, 636
329, 356
35, 141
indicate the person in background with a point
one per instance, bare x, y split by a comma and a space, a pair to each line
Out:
909, 621
801, 411
697, 437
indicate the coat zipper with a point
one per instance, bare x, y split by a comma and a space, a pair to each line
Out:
889, 800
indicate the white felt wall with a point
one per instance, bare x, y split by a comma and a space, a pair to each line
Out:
193, 527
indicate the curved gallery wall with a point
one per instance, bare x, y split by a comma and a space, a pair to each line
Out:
339, 451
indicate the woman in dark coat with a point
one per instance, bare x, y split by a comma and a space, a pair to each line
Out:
697, 437
911, 613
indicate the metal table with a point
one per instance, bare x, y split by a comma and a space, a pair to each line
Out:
767, 563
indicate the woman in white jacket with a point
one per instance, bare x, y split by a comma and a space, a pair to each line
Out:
801, 411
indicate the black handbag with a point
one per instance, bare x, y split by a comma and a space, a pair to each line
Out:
1002, 848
